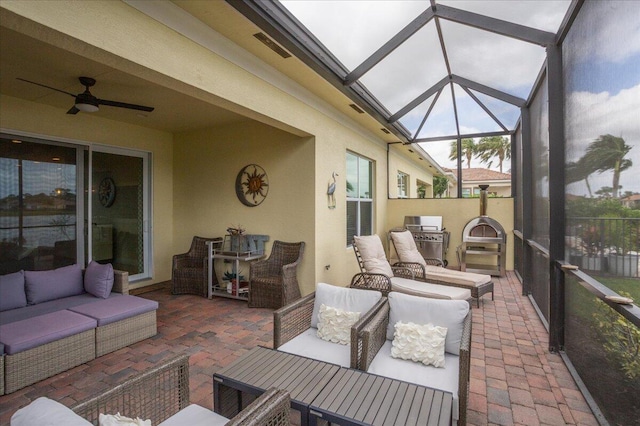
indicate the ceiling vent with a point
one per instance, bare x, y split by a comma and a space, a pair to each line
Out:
272, 45
385, 131
356, 108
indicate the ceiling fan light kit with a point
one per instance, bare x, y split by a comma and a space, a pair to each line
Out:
86, 102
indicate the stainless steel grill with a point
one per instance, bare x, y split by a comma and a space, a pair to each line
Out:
485, 241
430, 237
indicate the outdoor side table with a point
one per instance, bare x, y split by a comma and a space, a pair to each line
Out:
262, 368
353, 397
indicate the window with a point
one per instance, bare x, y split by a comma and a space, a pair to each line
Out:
403, 185
359, 196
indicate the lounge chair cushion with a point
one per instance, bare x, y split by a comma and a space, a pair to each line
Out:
22, 335
46, 412
406, 248
469, 279
445, 379
421, 310
373, 255
348, 299
308, 344
432, 291
195, 415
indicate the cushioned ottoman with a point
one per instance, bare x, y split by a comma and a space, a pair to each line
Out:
122, 321
40, 347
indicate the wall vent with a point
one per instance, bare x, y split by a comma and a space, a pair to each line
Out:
272, 45
385, 131
356, 108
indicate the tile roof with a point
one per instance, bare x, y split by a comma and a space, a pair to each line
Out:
479, 174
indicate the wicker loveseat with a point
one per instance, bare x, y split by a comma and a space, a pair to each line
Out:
161, 395
50, 322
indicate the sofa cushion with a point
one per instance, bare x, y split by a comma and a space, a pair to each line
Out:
12, 293
41, 286
195, 415
308, 344
22, 335
348, 299
31, 311
107, 311
469, 279
422, 310
432, 291
445, 379
406, 248
373, 256
98, 279
46, 412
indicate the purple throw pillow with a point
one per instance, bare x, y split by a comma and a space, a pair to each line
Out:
98, 279
42, 286
12, 293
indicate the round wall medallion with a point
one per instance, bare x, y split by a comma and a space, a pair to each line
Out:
252, 185
107, 192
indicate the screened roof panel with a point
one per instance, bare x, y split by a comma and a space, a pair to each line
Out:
544, 15
414, 118
408, 71
353, 30
500, 62
507, 114
475, 119
442, 120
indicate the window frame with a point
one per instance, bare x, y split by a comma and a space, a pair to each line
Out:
403, 184
360, 201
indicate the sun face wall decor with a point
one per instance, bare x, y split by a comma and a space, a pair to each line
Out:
252, 185
107, 192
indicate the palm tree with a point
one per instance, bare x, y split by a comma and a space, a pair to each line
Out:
494, 146
577, 171
469, 148
607, 153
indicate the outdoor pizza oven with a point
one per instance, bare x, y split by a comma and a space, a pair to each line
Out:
484, 242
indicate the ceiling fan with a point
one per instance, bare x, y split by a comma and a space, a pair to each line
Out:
86, 102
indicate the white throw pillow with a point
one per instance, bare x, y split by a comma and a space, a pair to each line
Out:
373, 255
46, 412
422, 310
334, 324
419, 343
119, 420
406, 248
348, 299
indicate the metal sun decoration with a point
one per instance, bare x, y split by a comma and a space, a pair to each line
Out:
252, 185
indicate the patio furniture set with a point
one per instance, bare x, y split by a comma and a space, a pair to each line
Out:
51, 321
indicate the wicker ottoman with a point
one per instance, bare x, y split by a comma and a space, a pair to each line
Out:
122, 321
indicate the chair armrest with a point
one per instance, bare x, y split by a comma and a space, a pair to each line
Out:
372, 337
465, 367
404, 272
433, 261
416, 269
356, 342
367, 281
272, 408
291, 320
120, 282
155, 394
180, 260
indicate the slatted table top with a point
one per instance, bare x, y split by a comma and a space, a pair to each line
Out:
354, 397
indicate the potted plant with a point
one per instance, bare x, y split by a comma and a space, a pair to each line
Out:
234, 282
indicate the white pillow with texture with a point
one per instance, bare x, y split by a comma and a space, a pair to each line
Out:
334, 324
46, 412
406, 248
119, 420
419, 343
422, 310
348, 299
373, 255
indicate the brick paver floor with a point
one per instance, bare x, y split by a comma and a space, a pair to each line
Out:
514, 378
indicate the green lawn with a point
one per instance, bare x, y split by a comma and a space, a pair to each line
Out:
628, 285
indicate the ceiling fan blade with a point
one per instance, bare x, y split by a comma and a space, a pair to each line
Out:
125, 105
73, 110
44, 85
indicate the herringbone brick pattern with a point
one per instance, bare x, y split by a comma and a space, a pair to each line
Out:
514, 378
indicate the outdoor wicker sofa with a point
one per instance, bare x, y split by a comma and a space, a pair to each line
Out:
375, 342
161, 395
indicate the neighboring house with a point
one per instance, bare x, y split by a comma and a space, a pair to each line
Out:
632, 201
472, 178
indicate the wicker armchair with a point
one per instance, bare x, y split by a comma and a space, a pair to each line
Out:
189, 274
161, 392
273, 283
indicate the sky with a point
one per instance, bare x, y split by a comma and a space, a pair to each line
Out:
603, 90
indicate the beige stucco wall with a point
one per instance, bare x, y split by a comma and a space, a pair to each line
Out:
38, 120
399, 162
455, 215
